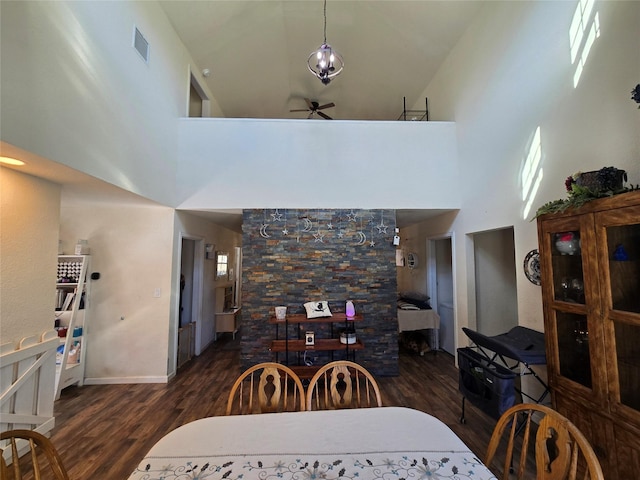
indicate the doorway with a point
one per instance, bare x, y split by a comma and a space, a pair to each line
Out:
199, 105
189, 299
186, 283
440, 279
495, 281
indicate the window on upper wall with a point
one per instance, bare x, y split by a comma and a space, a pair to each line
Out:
222, 264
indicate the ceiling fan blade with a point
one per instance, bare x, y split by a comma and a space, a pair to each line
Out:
326, 105
309, 103
302, 110
324, 115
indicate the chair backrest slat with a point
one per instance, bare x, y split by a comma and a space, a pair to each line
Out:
561, 450
40, 447
265, 388
342, 384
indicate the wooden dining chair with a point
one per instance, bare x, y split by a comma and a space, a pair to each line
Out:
561, 451
342, 384
265, 388
41, 451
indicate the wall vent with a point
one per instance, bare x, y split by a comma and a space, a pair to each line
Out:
140, 44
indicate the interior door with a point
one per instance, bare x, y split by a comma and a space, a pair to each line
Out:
443, 294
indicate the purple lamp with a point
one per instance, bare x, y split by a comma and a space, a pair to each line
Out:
350, 309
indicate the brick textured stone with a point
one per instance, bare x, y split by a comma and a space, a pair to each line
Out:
290, 257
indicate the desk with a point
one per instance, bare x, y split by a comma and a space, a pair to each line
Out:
387, 443
409, 320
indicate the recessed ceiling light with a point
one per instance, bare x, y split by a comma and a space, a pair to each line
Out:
11, 161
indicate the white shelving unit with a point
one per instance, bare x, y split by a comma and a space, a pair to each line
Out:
72, 282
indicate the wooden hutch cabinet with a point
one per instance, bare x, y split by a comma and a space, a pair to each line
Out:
590, 272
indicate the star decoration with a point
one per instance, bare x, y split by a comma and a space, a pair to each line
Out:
285, 232
277, 216
372, 243
340, 233
319, 236
382, 228
329, 226
351, 217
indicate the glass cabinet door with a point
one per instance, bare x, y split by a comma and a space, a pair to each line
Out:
623, 255
573, 347
619, 235
566, 257
570, 287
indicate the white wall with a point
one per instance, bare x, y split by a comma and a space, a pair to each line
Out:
74, 90
252, 163
30, 208
511, 73
131, 248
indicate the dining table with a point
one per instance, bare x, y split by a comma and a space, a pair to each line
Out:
385, 443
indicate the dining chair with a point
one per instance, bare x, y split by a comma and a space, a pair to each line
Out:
41, 451
342, 384
561, 451
265, 388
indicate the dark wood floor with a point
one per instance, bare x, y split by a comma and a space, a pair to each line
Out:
103, 431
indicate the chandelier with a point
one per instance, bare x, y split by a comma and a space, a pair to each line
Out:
325, 63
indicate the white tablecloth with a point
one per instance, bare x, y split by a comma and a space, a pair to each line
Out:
369, 443
409, 320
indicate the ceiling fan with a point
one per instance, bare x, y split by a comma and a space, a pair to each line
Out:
315, 107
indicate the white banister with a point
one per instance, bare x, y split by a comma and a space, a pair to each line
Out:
27, 376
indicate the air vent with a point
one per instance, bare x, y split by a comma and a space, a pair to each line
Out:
140, 44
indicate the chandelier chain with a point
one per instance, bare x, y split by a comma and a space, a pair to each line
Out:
325, 21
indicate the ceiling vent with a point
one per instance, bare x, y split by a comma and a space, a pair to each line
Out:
140, 44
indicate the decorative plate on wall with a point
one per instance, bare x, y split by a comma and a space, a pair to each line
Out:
532, 267
412, 260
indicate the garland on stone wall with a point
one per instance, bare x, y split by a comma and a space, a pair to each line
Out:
363, 228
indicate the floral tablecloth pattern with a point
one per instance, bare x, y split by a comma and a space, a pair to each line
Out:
376, 465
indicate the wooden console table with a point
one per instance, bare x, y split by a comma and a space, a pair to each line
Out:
298, 345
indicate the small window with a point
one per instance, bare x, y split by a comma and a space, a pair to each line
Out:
222, 264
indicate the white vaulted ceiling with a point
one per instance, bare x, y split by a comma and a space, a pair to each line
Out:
257, 52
